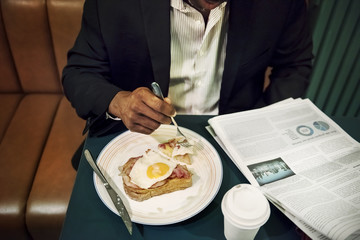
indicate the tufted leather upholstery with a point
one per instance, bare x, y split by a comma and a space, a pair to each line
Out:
39, 130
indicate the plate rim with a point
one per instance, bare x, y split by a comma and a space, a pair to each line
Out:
164, 221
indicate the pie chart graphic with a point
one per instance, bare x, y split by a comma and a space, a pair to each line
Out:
323, 126
304, 130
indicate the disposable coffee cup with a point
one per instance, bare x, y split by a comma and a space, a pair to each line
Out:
245, 210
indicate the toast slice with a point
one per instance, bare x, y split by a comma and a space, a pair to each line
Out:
181, 178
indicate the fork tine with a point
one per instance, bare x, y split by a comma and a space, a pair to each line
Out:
185, 143
179, 133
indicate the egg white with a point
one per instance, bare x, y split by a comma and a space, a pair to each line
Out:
180, 150
139, 175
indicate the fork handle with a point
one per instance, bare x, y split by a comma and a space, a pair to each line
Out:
174, 122
157, 90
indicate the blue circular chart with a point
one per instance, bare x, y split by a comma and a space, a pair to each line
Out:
305, 130
323, 126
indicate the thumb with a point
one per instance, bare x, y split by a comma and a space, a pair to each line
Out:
167, 100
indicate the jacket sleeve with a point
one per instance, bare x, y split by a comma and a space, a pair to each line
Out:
292, 59
86, 76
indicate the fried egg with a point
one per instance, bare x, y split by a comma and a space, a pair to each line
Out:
151, 168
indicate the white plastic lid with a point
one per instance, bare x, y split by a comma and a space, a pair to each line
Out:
245, 206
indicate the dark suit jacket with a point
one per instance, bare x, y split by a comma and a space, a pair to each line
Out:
125, 44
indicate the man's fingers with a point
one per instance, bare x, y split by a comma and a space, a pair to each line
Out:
141, 127
160, 106
141, 111
153, 107
158, 109
168, 100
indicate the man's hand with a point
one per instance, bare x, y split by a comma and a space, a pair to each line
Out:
141, 111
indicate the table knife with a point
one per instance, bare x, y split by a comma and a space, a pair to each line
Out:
119, 205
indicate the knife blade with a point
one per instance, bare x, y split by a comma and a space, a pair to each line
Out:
119, 205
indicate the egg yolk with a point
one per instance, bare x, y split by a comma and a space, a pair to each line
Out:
157, 170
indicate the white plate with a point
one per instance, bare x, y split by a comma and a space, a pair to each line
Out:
168, 208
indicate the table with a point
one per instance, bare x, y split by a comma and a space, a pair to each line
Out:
88, 218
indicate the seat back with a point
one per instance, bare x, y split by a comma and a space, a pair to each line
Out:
28, 34
335, 81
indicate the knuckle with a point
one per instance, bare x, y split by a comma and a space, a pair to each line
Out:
158, 104
167, 120
141, 91
135, 110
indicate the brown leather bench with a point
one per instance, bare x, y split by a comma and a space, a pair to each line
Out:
39, 130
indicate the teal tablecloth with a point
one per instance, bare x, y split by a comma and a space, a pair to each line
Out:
88, 218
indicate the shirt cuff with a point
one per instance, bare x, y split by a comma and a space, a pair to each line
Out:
110, 116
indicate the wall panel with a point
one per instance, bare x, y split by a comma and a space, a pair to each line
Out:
335, 80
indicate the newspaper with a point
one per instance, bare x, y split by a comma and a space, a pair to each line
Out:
303, 162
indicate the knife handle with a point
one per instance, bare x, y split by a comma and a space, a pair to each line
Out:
94, 166
119, 205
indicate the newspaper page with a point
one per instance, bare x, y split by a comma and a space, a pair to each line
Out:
303, 162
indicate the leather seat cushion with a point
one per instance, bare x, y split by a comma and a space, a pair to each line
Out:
8, 105
20, 151
55, 176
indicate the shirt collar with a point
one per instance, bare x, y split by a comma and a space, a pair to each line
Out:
179, 5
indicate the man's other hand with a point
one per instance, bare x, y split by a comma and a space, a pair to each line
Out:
141, 111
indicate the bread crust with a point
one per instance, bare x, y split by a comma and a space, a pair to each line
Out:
171, 185
183, 158
140, 194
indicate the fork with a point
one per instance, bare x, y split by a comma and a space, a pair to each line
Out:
157, 91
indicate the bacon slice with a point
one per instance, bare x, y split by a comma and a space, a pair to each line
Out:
171, 143
180, 171
126, 169
127, 181
159, 184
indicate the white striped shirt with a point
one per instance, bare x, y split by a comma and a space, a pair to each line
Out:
197, 58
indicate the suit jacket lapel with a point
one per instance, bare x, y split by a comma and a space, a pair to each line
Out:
237, 38
156, 15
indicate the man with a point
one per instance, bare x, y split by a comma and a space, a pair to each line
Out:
208, 56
